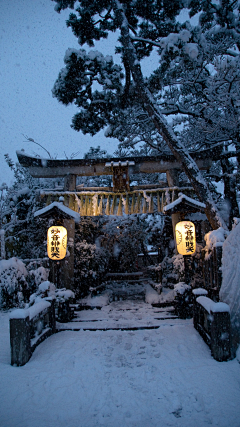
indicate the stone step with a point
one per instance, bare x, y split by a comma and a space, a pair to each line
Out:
125, 276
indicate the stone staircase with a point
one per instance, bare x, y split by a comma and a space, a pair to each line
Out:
120, 315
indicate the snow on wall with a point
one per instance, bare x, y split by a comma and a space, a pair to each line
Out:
230, 289
211, 306
33, 311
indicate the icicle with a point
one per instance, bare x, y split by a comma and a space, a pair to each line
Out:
119, 212
95, 205
127, 204
144, 208
133, 202
113, 205
84, 210
173, 194
89, 206
147, 200
138, 204
151, 204
77, 204
107, 210
100, 207
81, 205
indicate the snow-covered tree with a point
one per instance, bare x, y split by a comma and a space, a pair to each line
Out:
24, 237
102, 90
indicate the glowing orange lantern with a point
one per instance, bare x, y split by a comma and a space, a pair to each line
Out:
185, 237
57, 242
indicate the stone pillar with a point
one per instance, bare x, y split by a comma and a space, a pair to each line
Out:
20, 341
70, 182
173, 181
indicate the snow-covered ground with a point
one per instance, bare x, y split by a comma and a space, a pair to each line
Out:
143, 378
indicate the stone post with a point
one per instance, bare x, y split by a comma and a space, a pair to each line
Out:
20, 341
221, 336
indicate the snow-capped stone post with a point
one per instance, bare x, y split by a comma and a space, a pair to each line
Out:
62, 270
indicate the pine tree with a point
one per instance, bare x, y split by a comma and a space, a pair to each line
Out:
141, 25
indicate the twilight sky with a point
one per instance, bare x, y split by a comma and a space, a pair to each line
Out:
33, 41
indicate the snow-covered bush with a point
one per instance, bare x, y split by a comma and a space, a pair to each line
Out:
48, 290
124, 238
90, 259
13, 283
178, 266
90, 262
172, 268
39, 275
183, 300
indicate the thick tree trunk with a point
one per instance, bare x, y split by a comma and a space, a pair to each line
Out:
181, 154
230, 194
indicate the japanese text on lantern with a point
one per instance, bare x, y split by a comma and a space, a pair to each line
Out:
185, 237
57, 242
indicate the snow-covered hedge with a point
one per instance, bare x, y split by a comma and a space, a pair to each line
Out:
17, 283
13, 283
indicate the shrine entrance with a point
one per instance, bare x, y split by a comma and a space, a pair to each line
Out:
120, 199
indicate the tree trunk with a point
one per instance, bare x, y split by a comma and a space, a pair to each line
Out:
149, 104
230, 195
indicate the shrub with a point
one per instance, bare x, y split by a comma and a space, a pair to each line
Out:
13, 284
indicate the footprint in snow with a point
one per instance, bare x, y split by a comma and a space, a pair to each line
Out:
128, 346
177, 413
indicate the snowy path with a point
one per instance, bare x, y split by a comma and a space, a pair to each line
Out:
144, 378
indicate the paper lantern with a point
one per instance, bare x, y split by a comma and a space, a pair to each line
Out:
57, 242
185, 237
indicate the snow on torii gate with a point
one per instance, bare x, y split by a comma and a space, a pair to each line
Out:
121, 197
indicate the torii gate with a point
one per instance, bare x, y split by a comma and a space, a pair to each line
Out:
120, 169
122, 197
70, 169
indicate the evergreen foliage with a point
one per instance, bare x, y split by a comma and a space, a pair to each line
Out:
184, 84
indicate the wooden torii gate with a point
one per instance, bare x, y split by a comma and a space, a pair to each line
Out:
121, 197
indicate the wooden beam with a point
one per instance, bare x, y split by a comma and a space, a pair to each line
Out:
50, 168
